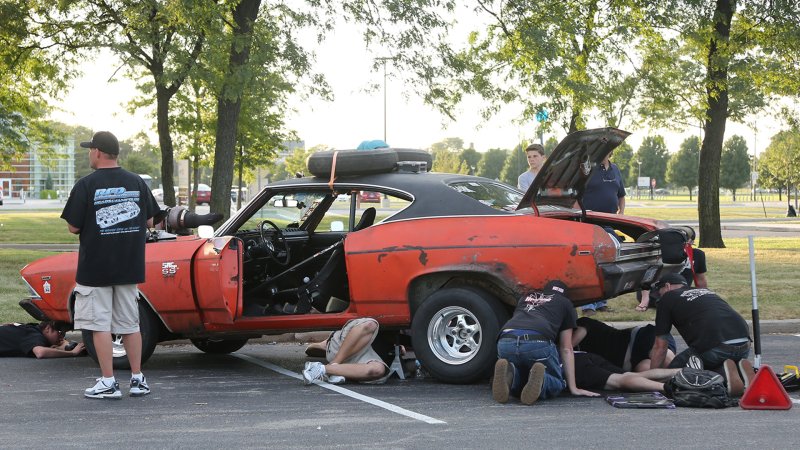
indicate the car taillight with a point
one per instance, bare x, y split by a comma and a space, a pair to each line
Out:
31, 290
606, 246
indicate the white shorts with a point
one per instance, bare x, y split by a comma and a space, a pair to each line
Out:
367, 354
107, 308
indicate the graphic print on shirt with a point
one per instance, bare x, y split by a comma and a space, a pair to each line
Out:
691, 294
536, 299
115, 206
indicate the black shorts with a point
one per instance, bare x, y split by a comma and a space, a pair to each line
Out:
592, 371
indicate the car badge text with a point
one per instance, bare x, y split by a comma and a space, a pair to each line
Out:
169, 269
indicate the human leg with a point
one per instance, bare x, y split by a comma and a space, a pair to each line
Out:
351, 340
632, 382
371, 370
103, 351
125, 321
502, 380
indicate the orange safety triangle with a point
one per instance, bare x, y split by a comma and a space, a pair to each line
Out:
765, 392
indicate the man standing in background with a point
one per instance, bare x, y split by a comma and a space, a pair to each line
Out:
535, 155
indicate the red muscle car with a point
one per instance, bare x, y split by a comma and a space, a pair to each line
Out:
448, 258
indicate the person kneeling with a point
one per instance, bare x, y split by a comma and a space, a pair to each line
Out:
350, 356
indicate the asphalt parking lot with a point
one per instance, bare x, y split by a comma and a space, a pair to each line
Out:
254, 399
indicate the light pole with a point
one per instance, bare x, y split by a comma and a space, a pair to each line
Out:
383, 59
638, 163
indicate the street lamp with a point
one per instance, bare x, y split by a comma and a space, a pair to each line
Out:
639, 163
383, 59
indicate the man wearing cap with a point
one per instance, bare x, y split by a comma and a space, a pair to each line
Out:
110, 209
529, 365
713, 331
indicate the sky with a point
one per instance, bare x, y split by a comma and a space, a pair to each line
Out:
98, 100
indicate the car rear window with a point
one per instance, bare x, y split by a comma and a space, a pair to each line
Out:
496, 195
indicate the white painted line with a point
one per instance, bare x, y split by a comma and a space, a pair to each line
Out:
332, 387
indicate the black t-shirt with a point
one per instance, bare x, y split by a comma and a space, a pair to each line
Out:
19, 340
702, 317
111, 207
612, 343
546, 314
699, 258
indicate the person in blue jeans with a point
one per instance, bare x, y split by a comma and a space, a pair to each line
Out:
529, 365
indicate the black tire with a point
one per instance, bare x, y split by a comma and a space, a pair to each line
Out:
219, 346
451, 358
413, 154
149, 327
353, 162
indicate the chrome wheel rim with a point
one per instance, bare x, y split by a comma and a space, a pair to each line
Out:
454, 335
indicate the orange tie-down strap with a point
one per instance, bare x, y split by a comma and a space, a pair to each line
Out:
333, 169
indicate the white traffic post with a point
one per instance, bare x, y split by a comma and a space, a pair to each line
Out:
756, 326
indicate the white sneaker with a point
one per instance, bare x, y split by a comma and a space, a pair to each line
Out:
313, 371
695, 362
101, 390
139, 388
334, 379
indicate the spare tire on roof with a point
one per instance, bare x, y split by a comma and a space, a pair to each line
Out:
352, 162
413, 154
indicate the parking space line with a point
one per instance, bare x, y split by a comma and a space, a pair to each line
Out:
331, 387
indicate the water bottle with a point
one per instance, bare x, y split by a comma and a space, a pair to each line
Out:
420, 371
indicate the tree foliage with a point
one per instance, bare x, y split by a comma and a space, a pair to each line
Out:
683, 166
492, 162
735, 164
779, 165
516, 163
653, 156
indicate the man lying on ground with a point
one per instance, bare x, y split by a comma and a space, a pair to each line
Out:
349, 354
41, 341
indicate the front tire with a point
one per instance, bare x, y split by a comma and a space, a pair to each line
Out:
454, 334
219, 346
149, 327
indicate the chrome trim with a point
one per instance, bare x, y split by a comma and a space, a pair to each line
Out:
34, 294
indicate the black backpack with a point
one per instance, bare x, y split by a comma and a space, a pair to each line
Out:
697, 388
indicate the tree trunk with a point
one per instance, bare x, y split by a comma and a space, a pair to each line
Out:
714, 126
165, 143
239, 183
230, 104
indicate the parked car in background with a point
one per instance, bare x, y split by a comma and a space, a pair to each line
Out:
370, 197
203, 194
449, 261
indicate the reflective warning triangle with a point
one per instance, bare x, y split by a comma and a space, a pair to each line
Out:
765, 392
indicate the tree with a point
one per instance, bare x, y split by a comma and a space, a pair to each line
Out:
491, 164
623, 158
447, 161
734, 165
516, 163
452, 144
296, 162
781, 161
682, 169
471, 158
568, 57
653, 156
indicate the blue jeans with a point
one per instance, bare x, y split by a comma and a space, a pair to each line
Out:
713, 359
523, 354
594, 306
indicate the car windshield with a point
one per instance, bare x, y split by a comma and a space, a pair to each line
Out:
496, 195
286, 208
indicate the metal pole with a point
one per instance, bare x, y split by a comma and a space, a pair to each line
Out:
756, 326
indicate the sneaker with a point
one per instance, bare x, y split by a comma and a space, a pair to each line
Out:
747, 372
502, 381
313, 371
695, 362
334, 379
735, 383
139, 387
100, 390
533, 388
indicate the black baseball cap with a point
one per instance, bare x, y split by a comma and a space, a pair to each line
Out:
555, 287
103, 141
671, 278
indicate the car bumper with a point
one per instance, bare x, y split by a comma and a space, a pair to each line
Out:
621, 278
29, 307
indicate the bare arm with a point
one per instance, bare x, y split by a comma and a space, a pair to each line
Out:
73, 230
42, 352
577, 336
568, 360
658, 353
621, 205
702, 281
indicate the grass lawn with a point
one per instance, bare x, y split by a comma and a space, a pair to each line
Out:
41, 227
12, 288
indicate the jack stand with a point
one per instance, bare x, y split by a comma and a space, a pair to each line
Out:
397, 365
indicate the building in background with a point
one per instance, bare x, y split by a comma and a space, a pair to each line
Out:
41, 172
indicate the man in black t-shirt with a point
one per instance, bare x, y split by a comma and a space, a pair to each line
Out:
713, 331
529, 366
111, 210
41, 341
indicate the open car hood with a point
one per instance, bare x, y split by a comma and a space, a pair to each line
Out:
562, 179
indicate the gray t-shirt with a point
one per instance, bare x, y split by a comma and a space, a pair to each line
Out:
525, 180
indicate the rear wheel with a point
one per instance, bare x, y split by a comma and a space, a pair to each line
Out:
149, 327
455, 332
219, 346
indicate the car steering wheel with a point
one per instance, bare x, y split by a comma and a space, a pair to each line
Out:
274, 244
